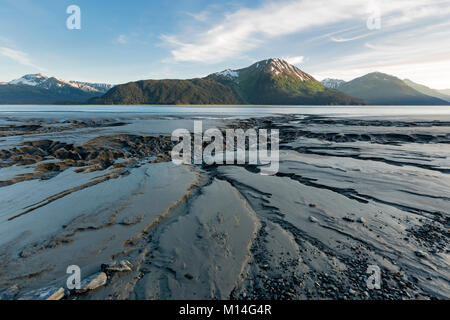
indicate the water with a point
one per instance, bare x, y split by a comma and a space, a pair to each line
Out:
234, 110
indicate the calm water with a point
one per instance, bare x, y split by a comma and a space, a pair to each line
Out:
235, 110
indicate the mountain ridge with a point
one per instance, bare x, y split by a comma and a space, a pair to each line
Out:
267, 82
382, 89
426, 90
41, 89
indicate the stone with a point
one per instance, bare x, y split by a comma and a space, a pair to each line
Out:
47, 293
313, 219
361, 220
9, 293
122, 266
93, 282
421, 254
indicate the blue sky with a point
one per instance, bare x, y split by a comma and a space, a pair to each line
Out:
123, 41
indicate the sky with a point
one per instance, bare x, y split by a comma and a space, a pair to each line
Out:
122, 41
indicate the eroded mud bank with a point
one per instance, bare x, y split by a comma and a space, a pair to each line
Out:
349, 193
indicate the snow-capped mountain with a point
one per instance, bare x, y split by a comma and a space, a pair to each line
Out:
275, 67
227, 74
332, 83
41, 89
42, 81
268, 82
35, 80
101, 87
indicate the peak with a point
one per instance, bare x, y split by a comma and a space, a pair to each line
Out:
30, 79
278, 66
272, 61
228, 74
35, 75
377, 73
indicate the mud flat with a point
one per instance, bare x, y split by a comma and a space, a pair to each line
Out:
351, 192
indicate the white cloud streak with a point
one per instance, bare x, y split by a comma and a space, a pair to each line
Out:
419, 54
18, 56
247, 29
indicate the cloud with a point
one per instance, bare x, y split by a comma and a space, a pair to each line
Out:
202, 16
418, 53
246, 29
335, 39
19, 56
121, 39
294, 60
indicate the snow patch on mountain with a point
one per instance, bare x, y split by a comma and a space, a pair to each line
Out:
279, 66
42, 81
332, 83
30, 80
228, 74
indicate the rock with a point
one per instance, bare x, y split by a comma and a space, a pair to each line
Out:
188, 276
313, 219
361, 220
47, 293
93, 282
348, 219
122, 266
9, 293
421, 254
352, 292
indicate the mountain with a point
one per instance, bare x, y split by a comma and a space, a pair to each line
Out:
40, 89
332, 83
428, 91
99, 87
445, 91
269, 82
194, 91
383, 89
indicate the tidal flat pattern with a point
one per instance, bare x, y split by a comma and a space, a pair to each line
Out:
351, 192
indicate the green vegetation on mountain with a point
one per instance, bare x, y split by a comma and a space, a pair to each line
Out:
268, 82
194, 91
428, 91
25, 94
383, 89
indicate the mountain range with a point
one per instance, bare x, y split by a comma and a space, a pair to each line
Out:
40, 89
428, 91
267, 82
378, 88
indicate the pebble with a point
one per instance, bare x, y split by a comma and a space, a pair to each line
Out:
313, 219
421, 254
47, 293
9, 293
122, 266
361, 220
93, 282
